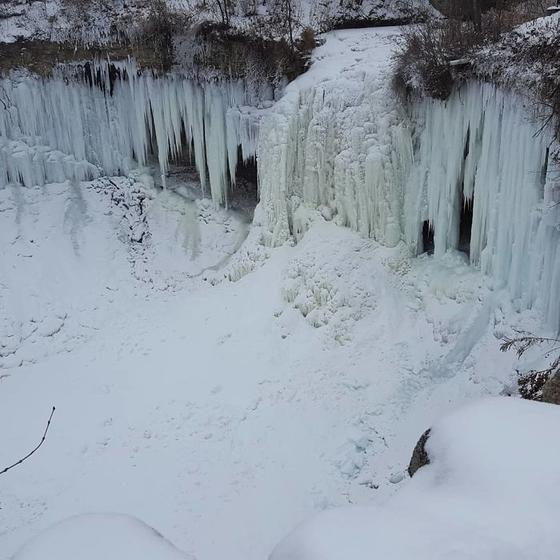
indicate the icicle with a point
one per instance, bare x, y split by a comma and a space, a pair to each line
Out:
111, 125
483, 146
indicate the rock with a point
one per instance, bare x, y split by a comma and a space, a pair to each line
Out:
551, 390
419, 455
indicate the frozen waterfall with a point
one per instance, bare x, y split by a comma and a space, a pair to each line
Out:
111, 118
484, 153
471, 172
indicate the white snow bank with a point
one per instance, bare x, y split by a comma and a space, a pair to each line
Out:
100, 537
492, 491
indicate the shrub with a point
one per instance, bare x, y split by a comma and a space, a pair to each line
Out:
532, 382
422, 62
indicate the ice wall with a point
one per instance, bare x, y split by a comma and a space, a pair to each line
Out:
108, 118
340, 149
487, 148
352, 157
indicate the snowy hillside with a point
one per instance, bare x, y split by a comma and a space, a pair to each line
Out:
92, 21
235, 346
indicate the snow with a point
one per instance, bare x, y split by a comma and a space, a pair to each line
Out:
224, 413
95, 536
221, 381
491, 491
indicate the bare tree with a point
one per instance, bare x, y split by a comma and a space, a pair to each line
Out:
285, 18
224, 8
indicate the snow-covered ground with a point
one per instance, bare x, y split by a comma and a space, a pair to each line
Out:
221, 413
218, 389
94, 536
492, 491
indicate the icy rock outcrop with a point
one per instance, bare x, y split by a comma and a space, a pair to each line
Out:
420, 457
110, 119
551, 390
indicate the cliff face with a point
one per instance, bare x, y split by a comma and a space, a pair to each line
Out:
471, 174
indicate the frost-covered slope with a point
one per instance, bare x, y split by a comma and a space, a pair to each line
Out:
492, 491
224, 415
100, 21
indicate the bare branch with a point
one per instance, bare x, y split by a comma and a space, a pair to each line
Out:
35, 449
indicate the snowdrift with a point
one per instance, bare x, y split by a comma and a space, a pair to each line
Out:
492, 491
100, 536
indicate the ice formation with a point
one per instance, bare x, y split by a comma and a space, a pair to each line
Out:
341, 149
479, 156
484, 150
469, 174
113, 117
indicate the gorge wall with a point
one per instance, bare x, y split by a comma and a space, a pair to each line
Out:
471, 174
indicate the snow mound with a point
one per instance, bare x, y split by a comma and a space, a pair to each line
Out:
492, 491
100, 536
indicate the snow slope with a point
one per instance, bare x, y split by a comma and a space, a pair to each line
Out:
225, 414
492, 491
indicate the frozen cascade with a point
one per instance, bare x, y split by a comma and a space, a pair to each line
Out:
340, 149
483, 148
351, 154
50, 132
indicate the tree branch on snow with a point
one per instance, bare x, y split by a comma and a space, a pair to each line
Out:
35, 449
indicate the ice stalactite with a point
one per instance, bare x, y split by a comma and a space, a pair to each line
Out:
466, 174
319, 151
484, 147
108, 118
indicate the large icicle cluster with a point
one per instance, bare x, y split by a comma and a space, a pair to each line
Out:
337, 145
485, 149
78, 128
